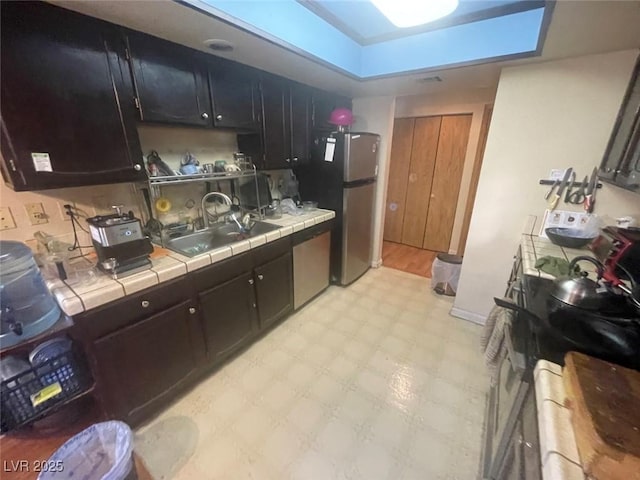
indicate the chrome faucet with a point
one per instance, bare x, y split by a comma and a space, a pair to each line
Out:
205, 213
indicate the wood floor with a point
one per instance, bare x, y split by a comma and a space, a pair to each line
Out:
407, 258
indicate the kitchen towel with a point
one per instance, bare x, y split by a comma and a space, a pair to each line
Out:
492, 337
558, 267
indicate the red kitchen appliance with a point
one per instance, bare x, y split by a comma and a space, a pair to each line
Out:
619, 251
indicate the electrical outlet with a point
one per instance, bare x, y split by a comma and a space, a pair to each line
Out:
63, 211
6, 219
36, 214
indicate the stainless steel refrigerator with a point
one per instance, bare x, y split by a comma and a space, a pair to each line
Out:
341, 176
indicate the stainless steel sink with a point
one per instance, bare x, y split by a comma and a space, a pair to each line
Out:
215, 237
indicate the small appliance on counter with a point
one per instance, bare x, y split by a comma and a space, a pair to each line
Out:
121, 246
619, 250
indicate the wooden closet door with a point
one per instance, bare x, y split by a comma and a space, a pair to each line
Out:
423, 160
452, 148
398, 178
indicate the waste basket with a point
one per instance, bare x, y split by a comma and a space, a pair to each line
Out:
445, 273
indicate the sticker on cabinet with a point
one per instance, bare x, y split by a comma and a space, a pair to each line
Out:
41, 162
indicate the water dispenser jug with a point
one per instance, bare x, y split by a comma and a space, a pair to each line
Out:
26, 306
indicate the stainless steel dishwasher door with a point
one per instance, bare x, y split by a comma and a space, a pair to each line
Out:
310, 268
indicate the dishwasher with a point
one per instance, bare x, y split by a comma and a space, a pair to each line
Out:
311, 256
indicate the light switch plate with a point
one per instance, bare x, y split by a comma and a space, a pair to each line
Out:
6, 219
36, 214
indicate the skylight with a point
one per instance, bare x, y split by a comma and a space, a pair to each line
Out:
410, 13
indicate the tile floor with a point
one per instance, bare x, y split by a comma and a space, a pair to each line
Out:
373, 381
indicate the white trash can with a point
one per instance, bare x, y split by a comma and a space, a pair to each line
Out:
445, 273
104, 451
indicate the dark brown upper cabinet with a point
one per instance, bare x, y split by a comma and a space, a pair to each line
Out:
621, 162
68, 116
235, 95
274, 135
323, 103
286, 108
299, 107
170, 82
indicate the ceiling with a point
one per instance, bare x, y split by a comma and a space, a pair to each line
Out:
366, 25
356, 39
576, 28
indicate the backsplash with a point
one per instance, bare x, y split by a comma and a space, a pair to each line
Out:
172, 143
89, 201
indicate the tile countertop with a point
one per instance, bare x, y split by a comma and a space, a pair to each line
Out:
558, 449
534, 247
76, 296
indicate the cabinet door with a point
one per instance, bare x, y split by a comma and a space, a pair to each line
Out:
274, 289
512, 467
229, 316
276, 148
299, 106
234, 96
142, 364
620, 149
530, 438
66, 93
420, 181
452, 149
170, 81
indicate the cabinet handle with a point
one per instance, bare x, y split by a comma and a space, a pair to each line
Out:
254, 305
260, 277
137, 167
218, 117
521, 441
205, 115
295, 159
251, 281
192, 310
288, 160
145, 303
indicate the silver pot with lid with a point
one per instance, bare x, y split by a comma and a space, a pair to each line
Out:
581, 291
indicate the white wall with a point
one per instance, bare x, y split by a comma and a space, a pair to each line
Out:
547, 115
471, 101
375, 114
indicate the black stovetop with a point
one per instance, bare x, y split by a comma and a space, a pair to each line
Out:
540, 344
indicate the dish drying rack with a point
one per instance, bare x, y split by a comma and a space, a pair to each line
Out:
152, 189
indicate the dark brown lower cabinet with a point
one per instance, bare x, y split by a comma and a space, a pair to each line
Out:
274, 289
228, 314
147, 347
139, 365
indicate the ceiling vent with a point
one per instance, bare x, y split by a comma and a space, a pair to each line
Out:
433, 79
219, 45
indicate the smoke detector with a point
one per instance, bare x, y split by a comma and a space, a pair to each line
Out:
219, 45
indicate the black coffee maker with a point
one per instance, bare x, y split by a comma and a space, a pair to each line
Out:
120, 244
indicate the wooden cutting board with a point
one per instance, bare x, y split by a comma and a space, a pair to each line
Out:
605, 412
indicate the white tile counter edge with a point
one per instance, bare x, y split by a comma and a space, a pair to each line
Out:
74, 299
533, 246
558, 449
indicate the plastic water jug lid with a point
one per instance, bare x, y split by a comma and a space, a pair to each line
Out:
13, 254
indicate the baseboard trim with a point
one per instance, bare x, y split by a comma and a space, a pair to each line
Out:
469, 316
376, 263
